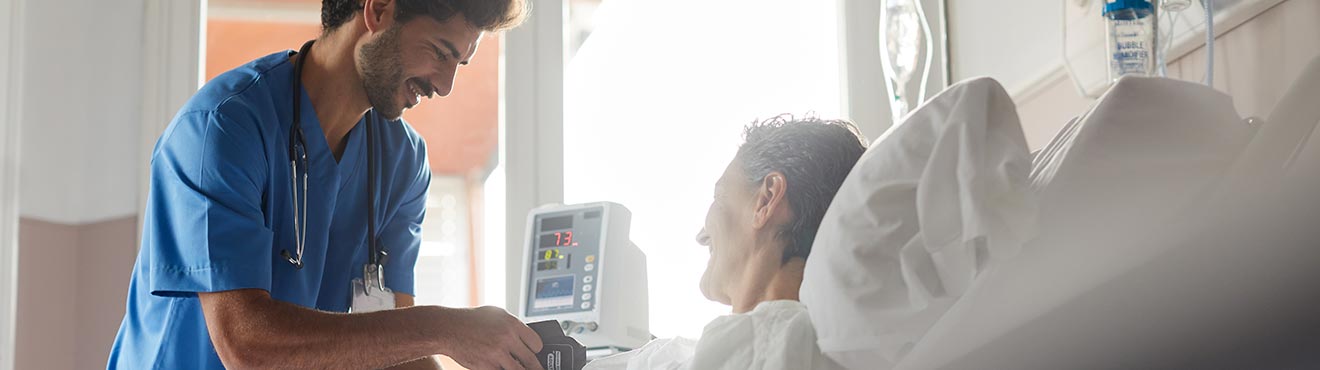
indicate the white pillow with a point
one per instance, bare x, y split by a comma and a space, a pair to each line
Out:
927, 206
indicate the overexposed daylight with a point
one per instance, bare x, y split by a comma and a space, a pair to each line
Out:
659, 184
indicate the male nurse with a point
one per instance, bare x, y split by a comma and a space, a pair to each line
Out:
286, 205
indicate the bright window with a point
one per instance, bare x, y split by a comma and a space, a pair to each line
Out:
656, 99
444, 262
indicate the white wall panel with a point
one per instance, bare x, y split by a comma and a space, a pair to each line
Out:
109, 183
55, 107
1012, 41
82, 104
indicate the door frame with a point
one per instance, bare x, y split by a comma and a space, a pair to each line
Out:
11, 83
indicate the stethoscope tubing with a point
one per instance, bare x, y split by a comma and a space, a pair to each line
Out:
298, 155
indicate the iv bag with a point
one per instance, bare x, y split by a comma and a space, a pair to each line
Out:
902, 38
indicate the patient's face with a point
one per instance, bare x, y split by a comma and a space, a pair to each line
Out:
728, 233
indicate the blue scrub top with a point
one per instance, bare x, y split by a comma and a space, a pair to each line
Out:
220, 211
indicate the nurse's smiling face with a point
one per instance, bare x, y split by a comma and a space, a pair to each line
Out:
414, 59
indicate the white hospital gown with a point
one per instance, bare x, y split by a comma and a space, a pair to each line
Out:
774, 335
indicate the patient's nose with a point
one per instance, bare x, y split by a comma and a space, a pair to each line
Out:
703, 238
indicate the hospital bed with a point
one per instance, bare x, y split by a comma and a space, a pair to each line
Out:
1229, 279
1217, 268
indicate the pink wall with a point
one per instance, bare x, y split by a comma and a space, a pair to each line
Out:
106, 252
72, 284
46, 295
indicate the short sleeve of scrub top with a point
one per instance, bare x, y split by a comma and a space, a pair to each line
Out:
217, 237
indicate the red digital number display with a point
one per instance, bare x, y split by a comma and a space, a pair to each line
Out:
558, 239
564, 239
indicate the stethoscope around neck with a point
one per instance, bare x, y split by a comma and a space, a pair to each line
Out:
376, 257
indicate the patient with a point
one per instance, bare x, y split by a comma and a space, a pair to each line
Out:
759, 229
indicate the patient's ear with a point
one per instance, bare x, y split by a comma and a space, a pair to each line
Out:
771, 204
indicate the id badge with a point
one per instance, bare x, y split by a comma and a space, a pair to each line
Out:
377, 300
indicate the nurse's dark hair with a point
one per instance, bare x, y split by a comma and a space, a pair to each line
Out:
814, 155
486, 15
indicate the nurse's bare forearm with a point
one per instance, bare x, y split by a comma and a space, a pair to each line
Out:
424, 363
252, 330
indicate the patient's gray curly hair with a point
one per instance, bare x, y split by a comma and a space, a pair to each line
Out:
815, 155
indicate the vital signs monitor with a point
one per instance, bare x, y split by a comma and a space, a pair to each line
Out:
581, 268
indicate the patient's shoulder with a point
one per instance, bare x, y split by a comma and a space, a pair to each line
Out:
783, 315
785, 324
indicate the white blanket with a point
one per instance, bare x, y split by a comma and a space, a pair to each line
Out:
774, 335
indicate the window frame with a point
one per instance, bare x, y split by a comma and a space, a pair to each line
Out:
531, 125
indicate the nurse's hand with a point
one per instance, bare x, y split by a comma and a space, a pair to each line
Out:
488, 338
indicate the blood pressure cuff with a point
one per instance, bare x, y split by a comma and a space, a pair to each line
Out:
559, 351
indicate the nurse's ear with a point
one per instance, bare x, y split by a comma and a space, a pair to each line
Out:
378, 15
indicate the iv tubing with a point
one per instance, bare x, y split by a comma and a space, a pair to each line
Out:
1168, 42
930, 49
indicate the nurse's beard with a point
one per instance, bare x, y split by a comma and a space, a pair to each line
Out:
382, 73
